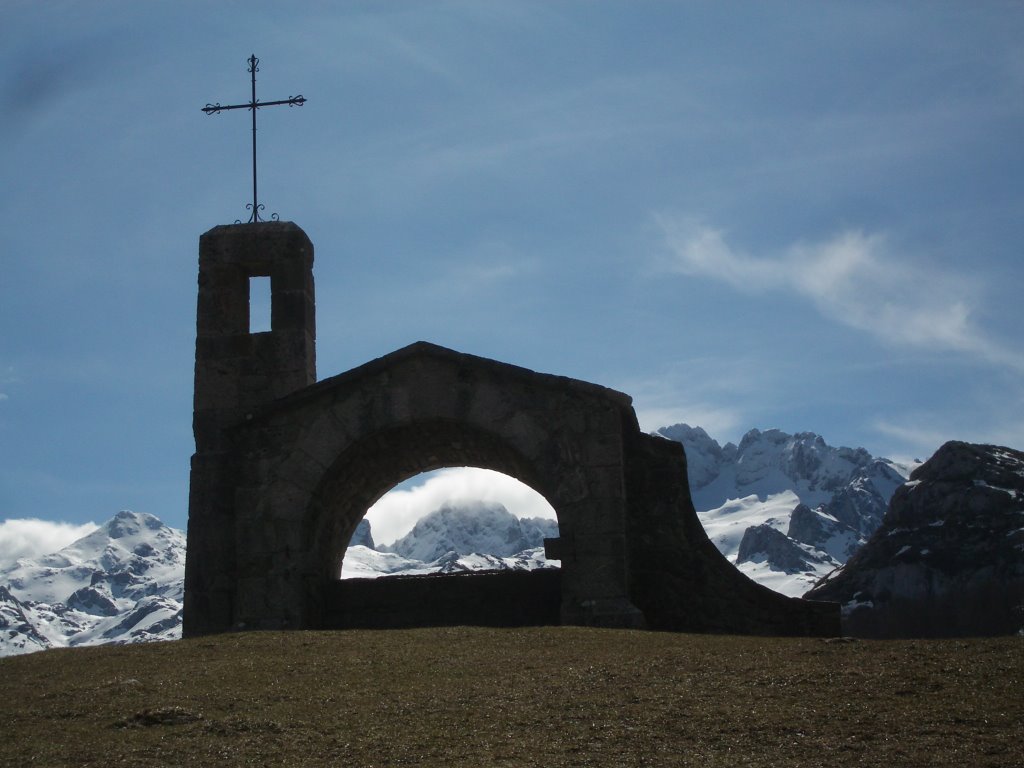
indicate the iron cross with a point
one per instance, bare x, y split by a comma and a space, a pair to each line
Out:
252, 106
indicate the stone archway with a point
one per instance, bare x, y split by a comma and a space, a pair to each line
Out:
326, 453
367, 470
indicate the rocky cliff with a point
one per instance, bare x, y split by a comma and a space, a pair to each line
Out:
948, 558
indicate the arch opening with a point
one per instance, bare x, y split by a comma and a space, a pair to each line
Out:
452, 520
364, 475
260, 304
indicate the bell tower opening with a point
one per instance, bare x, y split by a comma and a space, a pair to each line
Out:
260, 303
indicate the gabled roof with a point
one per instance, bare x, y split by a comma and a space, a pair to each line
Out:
425, 349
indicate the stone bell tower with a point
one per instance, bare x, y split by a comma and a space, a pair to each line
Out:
237, 370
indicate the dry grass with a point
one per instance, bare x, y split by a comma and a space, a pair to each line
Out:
524, 697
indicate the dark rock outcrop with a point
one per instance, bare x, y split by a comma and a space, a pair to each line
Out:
948, 559
817, 528
92, 601
762, 543
363, 536
859, 504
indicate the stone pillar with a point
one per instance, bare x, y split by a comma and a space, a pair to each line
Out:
236, 372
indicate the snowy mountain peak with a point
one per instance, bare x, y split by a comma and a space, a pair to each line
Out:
120, 583
128, 524
125, 537
765, 463
824, 501
804, 458
468, 528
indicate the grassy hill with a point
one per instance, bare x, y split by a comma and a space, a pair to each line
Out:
526, 697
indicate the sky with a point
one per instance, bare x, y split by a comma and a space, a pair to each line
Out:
793, 215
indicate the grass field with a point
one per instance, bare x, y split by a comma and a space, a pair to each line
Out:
526, 697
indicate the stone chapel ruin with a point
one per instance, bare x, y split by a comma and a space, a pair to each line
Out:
286, 466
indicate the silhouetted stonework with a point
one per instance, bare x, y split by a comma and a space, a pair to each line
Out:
496, 599
285, 468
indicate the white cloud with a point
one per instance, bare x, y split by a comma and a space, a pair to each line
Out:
852, 278
396, 512
30, 537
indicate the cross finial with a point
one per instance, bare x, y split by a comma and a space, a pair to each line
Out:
252, 106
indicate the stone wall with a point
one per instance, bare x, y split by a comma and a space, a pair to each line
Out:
318, 459
500, 599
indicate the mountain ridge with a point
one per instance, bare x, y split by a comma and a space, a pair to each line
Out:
467, 528
123, 582
824, 501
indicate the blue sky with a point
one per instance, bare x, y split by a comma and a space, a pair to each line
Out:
796, 215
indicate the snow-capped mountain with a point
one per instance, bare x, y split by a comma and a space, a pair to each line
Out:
478, 536
122, 583
470, 528
822, 502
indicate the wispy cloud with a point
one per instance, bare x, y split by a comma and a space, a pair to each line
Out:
725, 395
30, 537
496, 266
664, 403
6, 377
853, 278
916, 440
921, 434
396, 513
